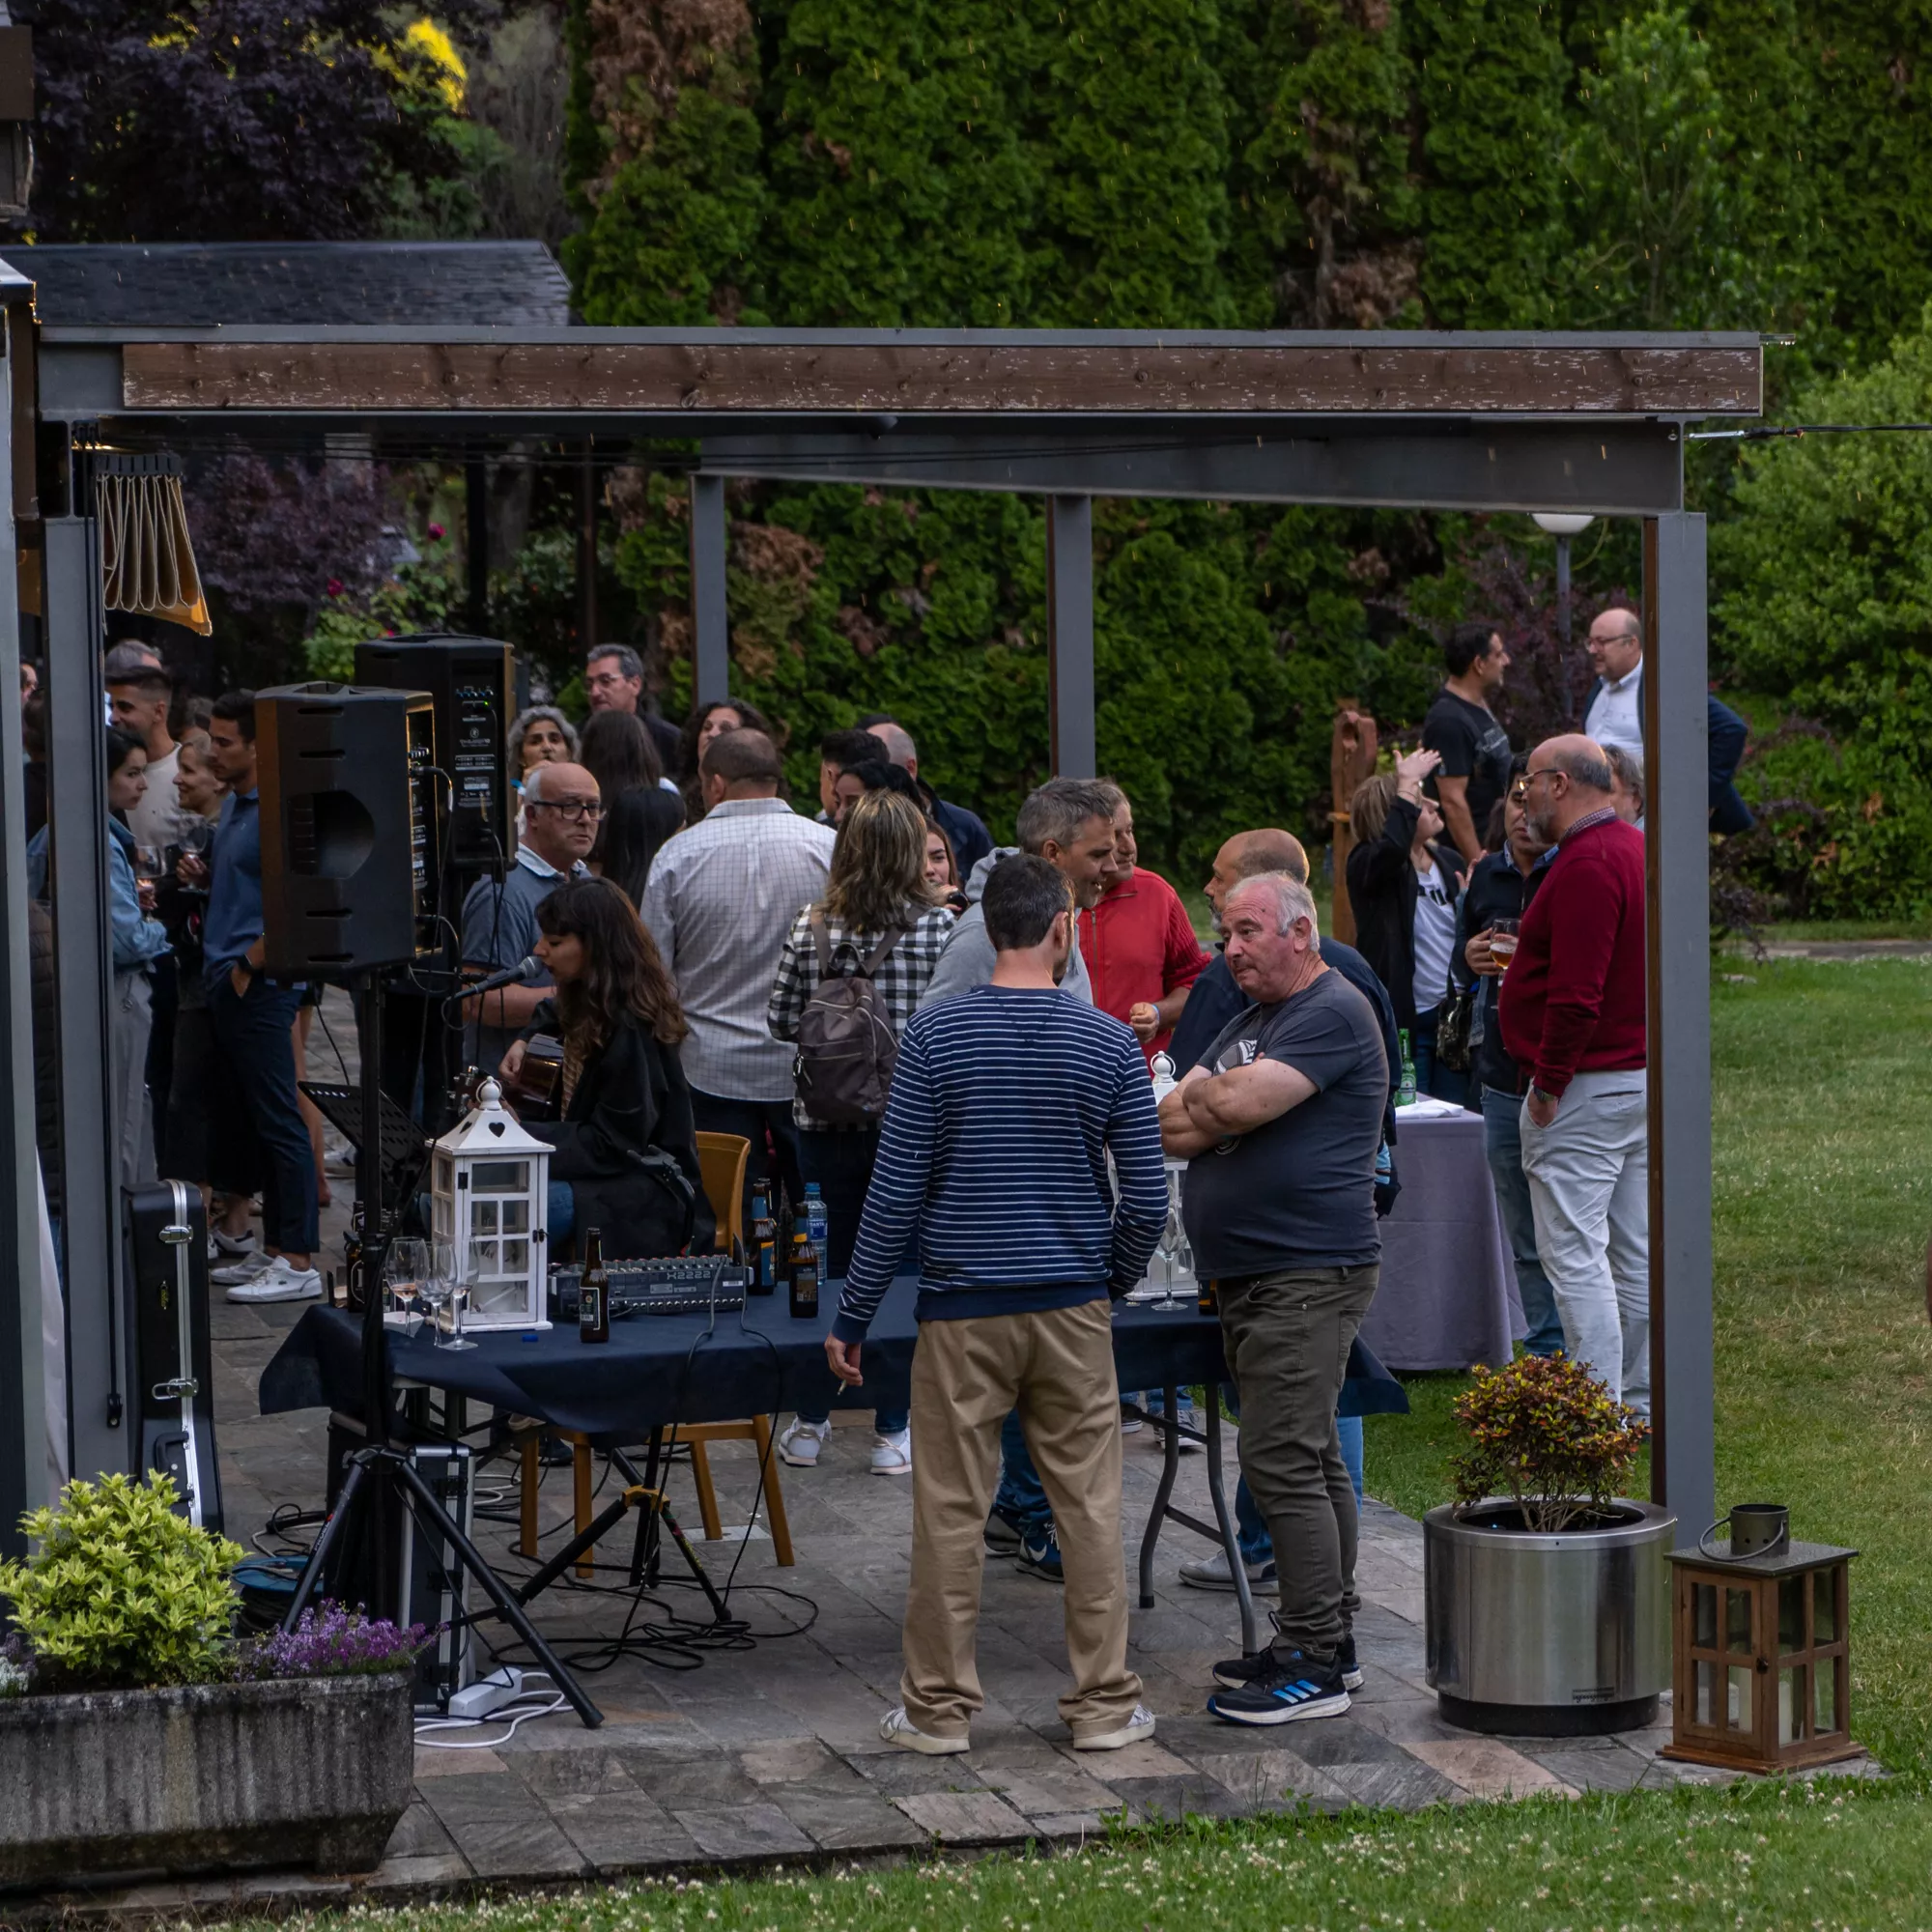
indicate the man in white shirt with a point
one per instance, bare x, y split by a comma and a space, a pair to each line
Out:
722, 898
1613, 710
138, 697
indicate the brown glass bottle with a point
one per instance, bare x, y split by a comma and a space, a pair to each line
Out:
802, 1270
593, 1291
764, 1256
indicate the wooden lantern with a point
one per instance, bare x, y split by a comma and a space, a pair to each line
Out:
1763, 1674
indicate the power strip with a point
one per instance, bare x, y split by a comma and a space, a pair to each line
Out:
476, 1701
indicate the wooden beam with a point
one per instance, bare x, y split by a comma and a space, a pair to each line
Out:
893, 376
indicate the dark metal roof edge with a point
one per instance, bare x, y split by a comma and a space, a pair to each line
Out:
911, 338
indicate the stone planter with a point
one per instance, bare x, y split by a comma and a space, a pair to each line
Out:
308, 1772
1548, 1636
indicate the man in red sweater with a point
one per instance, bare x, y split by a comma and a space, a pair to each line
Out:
1139, 944
1573, 1019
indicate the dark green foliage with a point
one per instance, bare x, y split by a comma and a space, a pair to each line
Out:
1490, 80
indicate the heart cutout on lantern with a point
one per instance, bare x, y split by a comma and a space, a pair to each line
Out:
496, 1127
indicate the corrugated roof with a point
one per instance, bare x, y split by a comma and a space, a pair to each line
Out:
483, 284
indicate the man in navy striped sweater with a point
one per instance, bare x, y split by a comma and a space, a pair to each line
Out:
1007, 1101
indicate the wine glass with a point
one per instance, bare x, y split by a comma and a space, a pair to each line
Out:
403, 1267
1173, 1240
439, 1288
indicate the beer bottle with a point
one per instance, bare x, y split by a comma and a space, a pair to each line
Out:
804, 1272
593, 1293
764, 1241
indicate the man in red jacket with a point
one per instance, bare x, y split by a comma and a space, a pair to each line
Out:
1573, 1019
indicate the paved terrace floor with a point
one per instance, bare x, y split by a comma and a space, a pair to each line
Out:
771, 1754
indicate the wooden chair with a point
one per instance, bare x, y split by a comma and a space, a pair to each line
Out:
722, 1161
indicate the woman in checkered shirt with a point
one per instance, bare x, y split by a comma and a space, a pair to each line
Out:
878, 885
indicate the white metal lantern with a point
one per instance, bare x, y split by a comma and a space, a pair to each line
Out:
489, 1192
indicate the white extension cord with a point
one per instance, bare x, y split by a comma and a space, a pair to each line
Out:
504, 1697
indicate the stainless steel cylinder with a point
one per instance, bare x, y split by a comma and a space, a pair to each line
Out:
1548, 1636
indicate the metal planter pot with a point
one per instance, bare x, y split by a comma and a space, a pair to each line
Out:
1548, 1636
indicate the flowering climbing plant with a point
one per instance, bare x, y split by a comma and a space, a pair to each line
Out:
1546, 1433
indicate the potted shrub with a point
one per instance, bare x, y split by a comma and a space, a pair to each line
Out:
137, 1735
1546, 1594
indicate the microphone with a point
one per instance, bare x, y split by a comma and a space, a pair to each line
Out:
508, 977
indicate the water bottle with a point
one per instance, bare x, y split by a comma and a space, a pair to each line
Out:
1404, 1095
814, 1215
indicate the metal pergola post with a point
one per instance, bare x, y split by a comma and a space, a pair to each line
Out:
23, 1416
1676, 741
710, 616
1069, 631
84, 980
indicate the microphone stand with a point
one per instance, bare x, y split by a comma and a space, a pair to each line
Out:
382, 1463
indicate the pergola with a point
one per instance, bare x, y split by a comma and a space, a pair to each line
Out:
1413, 420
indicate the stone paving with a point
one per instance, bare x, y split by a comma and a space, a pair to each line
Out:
771, 1754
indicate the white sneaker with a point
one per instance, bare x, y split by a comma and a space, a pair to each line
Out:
234, 1245
896, 1728
338, 1160
1212, 1573
1140, 1725
232, 1273
801, 1442
891, 1455
281, 1281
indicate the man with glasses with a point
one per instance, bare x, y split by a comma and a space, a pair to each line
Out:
561, 814
614, 680
1573, 1021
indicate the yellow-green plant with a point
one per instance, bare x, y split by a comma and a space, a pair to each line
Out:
120, 1592
1547, 1433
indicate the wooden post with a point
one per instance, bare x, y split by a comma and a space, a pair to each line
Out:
1351, 757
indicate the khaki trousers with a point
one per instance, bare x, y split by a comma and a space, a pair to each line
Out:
1057, 1368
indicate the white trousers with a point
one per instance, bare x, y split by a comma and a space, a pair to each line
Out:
1589, 1190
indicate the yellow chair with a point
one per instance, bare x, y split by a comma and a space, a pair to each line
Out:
721, 1160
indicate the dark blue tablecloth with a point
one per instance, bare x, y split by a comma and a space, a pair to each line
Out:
660, 1369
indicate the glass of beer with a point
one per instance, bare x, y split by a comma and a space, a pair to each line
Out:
1503, 940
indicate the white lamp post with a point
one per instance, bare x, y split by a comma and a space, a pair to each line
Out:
1562, 525
489, 1197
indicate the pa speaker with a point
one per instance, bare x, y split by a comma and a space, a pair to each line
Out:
349, 828
472, 682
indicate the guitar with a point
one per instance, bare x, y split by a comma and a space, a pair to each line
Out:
535, 1090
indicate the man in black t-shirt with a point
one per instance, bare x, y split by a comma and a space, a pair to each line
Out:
1475, 770
1280, 1124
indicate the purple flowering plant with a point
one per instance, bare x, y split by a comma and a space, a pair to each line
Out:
332, 1641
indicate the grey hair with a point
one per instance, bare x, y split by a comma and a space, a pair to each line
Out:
900, 750
521, 724
1060, 808
1581, 768
1628, 766
628, 661
1293, 901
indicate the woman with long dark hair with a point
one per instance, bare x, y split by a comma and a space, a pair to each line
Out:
626, 1154
639, 812
707, 721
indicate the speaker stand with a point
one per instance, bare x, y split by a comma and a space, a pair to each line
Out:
382, 1462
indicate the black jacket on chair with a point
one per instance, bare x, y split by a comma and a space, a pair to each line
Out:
630, 1103
1382, 890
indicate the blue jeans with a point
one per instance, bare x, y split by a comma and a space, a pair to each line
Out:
560, 1215
1021, 1496
1251, 1531
1431, 1075
1502, 1141
252, 1032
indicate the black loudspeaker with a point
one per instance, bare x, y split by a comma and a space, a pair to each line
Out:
472, 681
349, 828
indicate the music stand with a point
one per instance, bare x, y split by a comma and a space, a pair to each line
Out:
405, 1146
382, 1462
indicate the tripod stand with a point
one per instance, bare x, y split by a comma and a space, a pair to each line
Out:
382, 1463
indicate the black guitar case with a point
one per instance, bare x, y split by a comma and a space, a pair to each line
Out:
173, 1378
